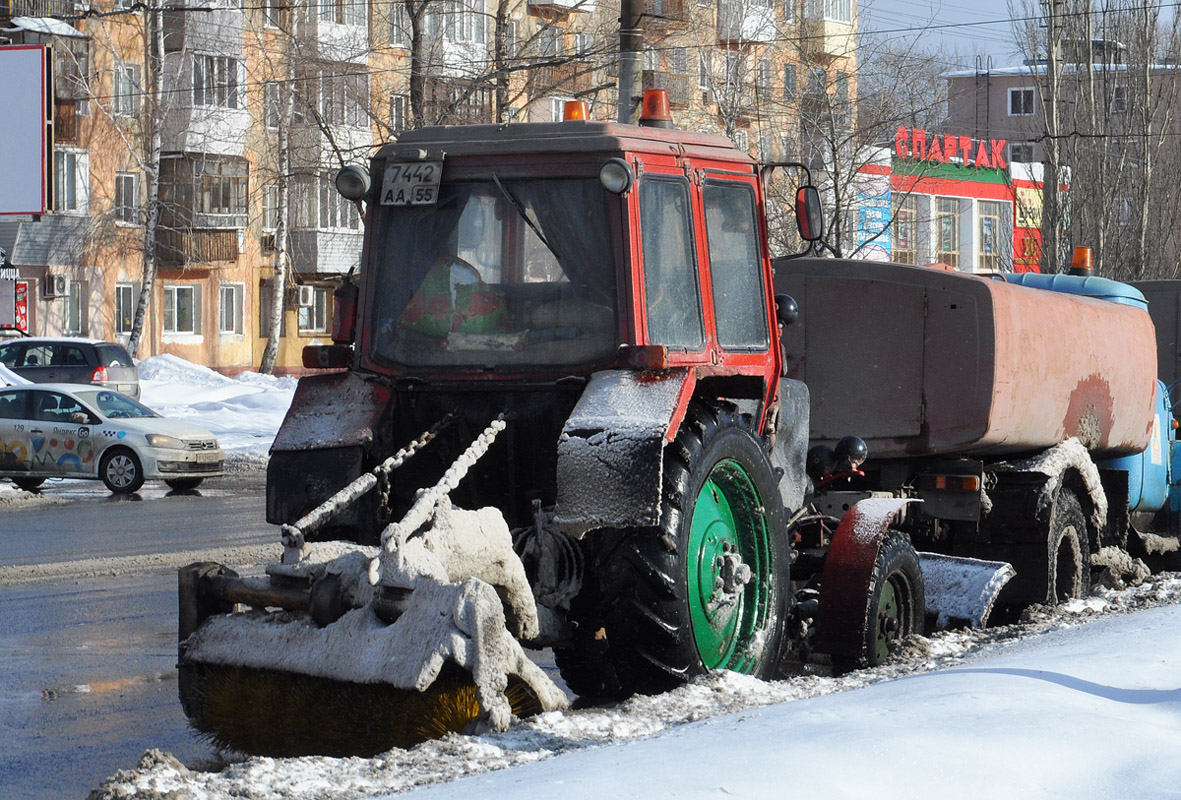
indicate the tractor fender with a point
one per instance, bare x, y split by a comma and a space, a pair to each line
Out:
848, 570
611, 449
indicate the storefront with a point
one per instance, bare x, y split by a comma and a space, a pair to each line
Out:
952, 200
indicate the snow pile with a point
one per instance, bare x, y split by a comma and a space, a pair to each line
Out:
244, 412
1017, 710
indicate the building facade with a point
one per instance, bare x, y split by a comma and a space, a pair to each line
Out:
198, 144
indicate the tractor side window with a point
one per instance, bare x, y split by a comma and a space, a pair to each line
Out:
671, 291
736, 272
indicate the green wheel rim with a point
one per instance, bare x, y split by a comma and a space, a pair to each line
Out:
728, 526
890, 620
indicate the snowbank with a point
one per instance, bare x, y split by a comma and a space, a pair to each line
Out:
244, 412
1078, 702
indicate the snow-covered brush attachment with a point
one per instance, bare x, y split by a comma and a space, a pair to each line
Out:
374, 647
962, 591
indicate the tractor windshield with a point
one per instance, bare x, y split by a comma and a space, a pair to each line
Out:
496, 273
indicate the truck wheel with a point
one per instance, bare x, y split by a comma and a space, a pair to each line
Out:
1069, 556
705, 590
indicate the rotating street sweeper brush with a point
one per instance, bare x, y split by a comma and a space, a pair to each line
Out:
344, 649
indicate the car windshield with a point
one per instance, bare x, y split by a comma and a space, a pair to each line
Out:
497, 273
116, 406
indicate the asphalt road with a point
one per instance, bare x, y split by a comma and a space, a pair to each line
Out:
88, 625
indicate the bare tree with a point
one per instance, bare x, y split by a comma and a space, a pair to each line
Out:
1109, 94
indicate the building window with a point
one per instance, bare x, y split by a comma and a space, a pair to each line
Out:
216, 81
343, 12
905, 245
789, 11
789, 81
947, 231
270, 105
126, 90
124, 307
1119, 100
270, 207
834, 10
127, 198
72, 322
180, 309
398, 115
229, 312
994, 221
316, 205
817, 81
275, 13
1021, 152
763, 78
703, 69
71, 175
651, 60
339, 94
1021, 102
221, 193
314, 318
464, 21
549, 42
399, 25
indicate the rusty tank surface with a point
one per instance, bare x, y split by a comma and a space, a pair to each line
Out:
923, 361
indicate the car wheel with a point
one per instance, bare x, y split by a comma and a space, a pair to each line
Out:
184, 484
121, 471
28, 484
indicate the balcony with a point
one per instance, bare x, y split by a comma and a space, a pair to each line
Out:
746, 22
35, 8
563, 6
827, 38
456, 103
572, 77
662, 14
178, 247
682, 89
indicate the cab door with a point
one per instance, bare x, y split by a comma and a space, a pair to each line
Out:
14, 429
59, 443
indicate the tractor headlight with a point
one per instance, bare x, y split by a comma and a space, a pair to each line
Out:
616, 176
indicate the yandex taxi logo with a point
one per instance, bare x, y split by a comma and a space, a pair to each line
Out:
919, 145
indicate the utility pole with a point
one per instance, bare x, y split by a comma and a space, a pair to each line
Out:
1051, 199
631, 43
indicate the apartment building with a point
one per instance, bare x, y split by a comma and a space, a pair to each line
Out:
254, 107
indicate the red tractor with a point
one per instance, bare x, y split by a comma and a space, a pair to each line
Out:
580, 316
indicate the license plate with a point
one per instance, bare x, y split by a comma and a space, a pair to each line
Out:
207, 458
412, 184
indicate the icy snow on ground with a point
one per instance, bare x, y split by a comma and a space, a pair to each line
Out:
1076, 702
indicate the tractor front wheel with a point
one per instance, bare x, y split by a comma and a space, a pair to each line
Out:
705, 590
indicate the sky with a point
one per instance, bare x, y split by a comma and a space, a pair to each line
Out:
1080, 702
964, 31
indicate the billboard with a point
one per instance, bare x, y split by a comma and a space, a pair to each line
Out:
26, 109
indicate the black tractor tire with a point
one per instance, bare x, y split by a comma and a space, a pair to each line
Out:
1068, 566
28, 484
896, 606
121, 471
660, 605
183, 484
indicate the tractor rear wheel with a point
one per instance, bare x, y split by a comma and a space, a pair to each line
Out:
704, 590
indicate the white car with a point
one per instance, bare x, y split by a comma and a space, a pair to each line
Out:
50, 430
